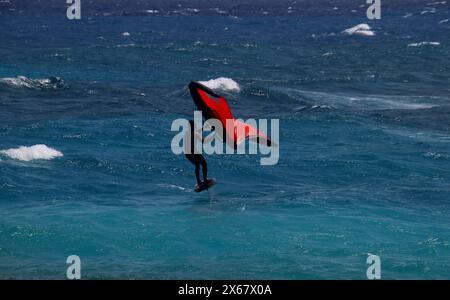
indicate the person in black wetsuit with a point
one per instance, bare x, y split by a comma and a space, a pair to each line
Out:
196, 159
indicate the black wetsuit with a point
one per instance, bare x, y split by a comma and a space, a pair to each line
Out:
197, 159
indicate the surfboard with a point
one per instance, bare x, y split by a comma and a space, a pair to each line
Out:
205, 185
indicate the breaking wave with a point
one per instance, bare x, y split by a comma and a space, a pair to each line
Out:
32, 153
51, 83
222, 84
424, 44
361, 30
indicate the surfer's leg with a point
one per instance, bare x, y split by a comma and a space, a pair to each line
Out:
197, 174
194, 159
197, 169
204, 167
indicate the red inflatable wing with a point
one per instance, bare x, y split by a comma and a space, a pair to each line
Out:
214, 106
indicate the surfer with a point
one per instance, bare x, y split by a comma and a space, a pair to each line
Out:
196, 159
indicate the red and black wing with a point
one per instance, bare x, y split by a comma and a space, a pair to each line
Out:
214, 106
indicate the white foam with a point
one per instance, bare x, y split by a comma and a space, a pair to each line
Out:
126, 34
424, 44
22, 81
444, 21
172, 186
32, 153
219, 11
222, 84
435, 155
361, 30
431, 10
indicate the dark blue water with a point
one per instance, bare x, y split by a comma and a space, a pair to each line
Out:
364, 141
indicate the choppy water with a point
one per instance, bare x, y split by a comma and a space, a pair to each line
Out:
365, 144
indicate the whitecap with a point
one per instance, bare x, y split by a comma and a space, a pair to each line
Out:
219, 11
222, 84
24, 153
424, 44
45, 83
431, 10
361, 30
434, 155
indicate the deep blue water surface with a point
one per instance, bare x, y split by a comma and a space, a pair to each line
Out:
364, 144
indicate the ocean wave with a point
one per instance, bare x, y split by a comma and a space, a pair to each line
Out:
312, 108
428, 10
424, 44
437, 3
374, 102
222, 84
219, 11
35, 152
321, 100
151, 11
434, 155
51, 83
361, 30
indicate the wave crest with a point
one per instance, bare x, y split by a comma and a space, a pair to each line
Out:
51, 83
32, 153
361, 30
424, 44
222, 84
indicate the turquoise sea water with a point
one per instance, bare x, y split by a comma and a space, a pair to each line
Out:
364, 145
